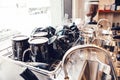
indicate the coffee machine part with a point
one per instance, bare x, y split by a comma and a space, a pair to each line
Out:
91, 7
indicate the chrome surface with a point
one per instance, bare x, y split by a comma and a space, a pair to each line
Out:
73, 66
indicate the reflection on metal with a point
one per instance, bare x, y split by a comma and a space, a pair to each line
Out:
86, 62
103, 33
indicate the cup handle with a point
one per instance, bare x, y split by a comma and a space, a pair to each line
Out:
25, 53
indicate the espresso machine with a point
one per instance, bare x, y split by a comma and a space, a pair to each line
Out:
90, 10
90, 24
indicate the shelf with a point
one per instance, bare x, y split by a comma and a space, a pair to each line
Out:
108, 11
115, 28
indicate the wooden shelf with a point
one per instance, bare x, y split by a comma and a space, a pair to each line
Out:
108, 11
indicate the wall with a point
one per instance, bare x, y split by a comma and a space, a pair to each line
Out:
111, 16
15, 14
56, 12
106, 2
78, 7
68, 8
